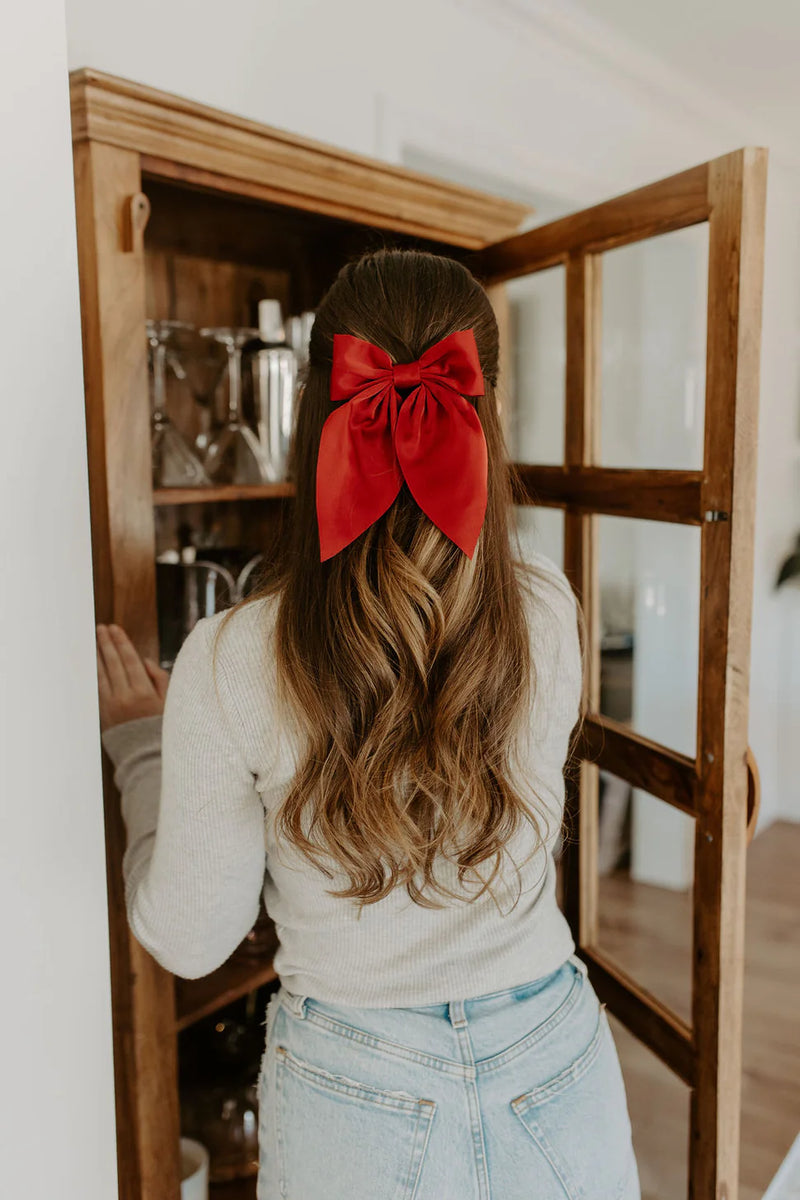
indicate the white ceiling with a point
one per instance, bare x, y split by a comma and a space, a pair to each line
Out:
745, 52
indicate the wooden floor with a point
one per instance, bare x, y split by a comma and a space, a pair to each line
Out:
649, 932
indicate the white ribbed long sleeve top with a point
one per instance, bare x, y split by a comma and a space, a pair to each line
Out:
200, 784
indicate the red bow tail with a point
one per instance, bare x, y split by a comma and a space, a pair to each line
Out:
442, 453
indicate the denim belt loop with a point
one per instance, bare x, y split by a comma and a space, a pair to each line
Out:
295, 1002
457, 1014
579, 964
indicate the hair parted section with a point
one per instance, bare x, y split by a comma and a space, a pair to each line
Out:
405, 665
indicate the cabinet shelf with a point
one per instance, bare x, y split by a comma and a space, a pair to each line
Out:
205, 495
198, 998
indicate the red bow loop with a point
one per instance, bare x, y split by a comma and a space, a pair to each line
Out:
407, 374
433, 440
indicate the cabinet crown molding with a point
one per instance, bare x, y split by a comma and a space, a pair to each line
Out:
192, 143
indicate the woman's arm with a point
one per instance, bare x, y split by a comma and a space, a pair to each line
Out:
195, 859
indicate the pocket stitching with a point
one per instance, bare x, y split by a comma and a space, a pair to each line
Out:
545, 1152
422, 1110
331, 1025
418, 1155
536, 1099
569, 1075
400, 1101
541, 1031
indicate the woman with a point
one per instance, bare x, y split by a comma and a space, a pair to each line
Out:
375, 742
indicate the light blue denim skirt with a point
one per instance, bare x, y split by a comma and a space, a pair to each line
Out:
513, 1095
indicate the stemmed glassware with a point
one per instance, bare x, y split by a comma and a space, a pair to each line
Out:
234, 454
174, 463
200, 362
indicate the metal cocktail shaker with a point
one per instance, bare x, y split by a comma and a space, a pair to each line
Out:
273, 376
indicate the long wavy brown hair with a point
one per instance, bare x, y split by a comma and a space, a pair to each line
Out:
405, 664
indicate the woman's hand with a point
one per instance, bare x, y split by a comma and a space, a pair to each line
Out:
129, 686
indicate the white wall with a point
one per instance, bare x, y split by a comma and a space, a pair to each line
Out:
56, 1084
775, 666
473, 80
520, 97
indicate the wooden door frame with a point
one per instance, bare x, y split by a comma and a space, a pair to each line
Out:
729, 193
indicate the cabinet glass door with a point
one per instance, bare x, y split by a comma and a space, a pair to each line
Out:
639, 321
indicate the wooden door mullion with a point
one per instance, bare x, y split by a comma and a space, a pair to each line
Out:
649, 495
580, 553
737, 186
642, 763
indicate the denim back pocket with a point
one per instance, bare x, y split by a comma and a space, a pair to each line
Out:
579, 1121
345, 1140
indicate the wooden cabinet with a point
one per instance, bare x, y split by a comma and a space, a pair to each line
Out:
188, 213
191, 214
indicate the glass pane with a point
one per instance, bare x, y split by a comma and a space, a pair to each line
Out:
649, 573
654, 350
537, 364
646, 865
542, 529
658, 1102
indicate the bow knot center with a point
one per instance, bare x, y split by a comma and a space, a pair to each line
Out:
406, 375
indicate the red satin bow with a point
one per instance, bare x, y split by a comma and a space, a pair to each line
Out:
434, 440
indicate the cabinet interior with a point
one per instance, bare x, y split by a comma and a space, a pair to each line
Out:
209, 258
